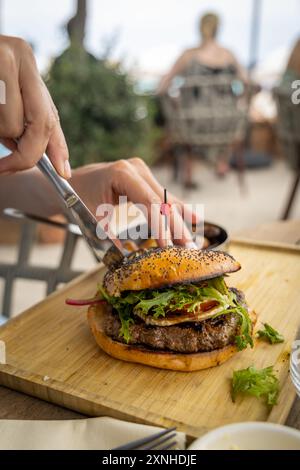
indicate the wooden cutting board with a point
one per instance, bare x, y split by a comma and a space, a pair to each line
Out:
51, 354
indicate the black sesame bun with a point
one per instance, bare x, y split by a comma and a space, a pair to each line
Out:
161, 267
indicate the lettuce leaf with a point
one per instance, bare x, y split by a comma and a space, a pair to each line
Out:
270, 334
256, 382
245, 337
124, 308
157, 304
182, 296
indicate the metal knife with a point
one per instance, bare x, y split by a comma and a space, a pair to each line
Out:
87, 223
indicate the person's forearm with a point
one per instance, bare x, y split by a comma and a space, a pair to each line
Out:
29, 191
102, 183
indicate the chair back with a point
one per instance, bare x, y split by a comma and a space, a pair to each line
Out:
203, 108
288, 126
22, 268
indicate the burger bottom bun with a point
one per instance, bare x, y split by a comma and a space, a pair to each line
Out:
160, 359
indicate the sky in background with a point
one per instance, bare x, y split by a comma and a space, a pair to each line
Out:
151, 33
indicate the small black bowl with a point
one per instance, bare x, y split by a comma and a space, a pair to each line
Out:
215, 235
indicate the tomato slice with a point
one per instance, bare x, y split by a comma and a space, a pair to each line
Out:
208, 305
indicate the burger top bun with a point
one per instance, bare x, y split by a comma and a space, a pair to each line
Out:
161, 267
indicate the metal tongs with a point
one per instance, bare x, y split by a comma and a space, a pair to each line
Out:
100, 241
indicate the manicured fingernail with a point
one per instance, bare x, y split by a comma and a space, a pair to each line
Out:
67, 170
191, 245
60, 167
170, 243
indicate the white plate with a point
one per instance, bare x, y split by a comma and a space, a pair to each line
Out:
295, 365
249, 436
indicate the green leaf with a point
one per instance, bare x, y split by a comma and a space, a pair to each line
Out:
159, 302
245, 336
270, 334
220, 284
126, 322
123, 307
256, 382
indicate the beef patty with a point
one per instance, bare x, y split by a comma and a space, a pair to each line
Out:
204, 336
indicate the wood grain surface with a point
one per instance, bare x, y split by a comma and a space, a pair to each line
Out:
51, 355
287, 232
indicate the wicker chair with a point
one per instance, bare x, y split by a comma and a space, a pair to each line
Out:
22, 268
289, 134
202, 111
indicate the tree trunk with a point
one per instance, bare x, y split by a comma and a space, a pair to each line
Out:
76, 25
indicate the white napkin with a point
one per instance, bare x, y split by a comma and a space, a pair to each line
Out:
80, 434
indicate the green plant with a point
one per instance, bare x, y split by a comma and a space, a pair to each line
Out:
102, 118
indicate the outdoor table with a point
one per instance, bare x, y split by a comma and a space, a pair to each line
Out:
15, 405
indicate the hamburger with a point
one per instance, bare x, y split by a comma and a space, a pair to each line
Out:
171, 308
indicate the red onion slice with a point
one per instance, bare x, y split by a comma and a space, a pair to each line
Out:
82, 302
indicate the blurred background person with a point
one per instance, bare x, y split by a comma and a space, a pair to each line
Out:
208, 59
209, 53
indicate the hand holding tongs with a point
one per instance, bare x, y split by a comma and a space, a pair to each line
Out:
83, 217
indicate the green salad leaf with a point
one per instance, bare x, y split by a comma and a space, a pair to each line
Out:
156, 304
124, 308
190, 296
256, 382
270, 334
245, 336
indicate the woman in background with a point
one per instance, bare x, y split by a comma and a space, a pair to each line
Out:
209, 53
215, 59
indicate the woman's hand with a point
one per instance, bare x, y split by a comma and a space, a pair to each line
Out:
28, 113
101, 183
105, 182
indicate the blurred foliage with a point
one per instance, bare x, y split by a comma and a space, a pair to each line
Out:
102, 118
